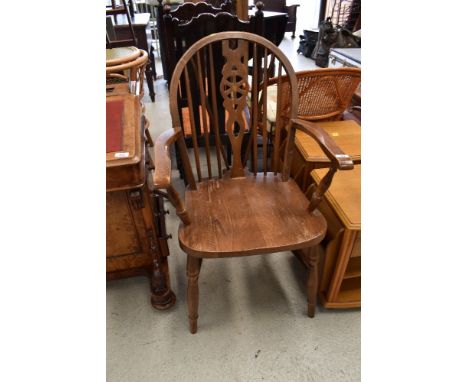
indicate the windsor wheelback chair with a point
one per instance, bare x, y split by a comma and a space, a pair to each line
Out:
252, 207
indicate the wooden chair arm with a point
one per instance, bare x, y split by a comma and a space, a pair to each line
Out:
339, 159
163, 169
162, 156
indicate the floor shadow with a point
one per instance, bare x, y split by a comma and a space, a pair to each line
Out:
266, 292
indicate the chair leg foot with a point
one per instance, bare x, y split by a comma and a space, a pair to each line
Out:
312, 281
193, 271
193, 325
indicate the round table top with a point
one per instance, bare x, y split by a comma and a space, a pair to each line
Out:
117, 56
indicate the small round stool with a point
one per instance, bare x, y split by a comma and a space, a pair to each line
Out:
126, 65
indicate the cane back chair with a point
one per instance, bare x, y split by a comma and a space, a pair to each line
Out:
238, 210
324, 96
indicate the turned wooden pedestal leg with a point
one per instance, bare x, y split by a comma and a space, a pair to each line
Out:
312, 281
162, 297
193, 271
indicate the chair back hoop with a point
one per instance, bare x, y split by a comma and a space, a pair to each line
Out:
231, 106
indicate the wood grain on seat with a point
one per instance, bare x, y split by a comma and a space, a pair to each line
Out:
247, 216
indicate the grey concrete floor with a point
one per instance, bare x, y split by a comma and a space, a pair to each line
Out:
252, 326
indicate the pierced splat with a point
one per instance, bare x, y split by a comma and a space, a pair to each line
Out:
234, 88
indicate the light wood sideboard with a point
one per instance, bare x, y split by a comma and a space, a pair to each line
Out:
340, 284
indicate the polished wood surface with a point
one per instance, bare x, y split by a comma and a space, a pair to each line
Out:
221, 228
239, 208
347, 135
344, 195
242, 8
135, 229
340, 285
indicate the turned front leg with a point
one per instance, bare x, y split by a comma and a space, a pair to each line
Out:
193, 271
312, 281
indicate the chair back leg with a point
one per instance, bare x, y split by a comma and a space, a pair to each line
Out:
193, 271
312, 281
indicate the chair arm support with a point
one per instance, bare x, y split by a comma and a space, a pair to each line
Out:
338, 158
163, 169
162, 155
340, 161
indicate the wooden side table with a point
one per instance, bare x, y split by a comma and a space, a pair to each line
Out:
308, 155
135, 230
340, 285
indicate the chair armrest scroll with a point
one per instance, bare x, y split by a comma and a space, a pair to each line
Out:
162, 171
338, 158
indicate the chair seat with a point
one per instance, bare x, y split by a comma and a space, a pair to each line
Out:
248, 216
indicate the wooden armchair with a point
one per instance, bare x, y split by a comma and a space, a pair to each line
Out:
280, 6
239, 210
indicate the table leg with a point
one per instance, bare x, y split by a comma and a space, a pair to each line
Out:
152, 214
149, 80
